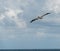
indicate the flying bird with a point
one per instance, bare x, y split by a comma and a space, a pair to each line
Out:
39, 17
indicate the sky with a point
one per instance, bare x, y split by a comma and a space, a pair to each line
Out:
16, 31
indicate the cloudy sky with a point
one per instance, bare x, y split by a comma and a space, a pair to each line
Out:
16, 31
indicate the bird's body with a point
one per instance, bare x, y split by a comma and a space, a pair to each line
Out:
39, 17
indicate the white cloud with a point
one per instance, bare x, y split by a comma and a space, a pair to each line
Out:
14, 7
12, 14
2, 17
53, 5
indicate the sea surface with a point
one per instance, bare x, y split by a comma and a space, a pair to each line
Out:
29, 49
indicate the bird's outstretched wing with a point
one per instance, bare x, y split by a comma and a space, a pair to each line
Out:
34, 20
39, 17
45, 14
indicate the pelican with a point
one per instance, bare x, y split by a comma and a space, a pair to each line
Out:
39, 17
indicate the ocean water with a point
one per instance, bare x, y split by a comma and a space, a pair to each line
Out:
29, 49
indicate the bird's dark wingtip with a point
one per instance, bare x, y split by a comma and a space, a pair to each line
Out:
48, 13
